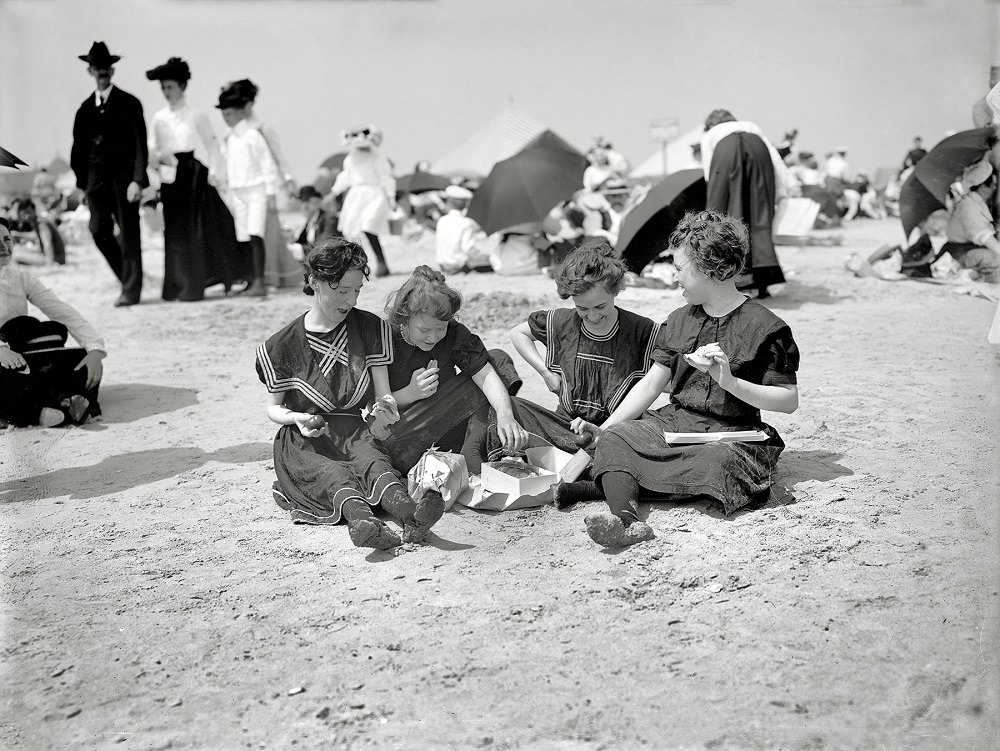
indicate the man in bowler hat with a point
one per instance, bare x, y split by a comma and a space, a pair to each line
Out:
109, 159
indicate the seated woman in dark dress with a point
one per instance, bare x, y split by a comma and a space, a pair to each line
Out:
442, 376
595, 352
730, 358
321, 371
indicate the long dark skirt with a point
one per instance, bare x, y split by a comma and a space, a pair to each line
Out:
445, 419
741, 184
544, 426
199, 239
734, 474
317, 475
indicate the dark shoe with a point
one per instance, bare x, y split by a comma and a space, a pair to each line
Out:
567, 493
372, 533
381, 269
609, 531
76, 407
124, 302
50, 417
430, 508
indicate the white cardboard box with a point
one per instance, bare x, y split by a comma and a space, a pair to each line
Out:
499, 491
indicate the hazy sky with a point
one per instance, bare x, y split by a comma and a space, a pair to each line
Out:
869, 74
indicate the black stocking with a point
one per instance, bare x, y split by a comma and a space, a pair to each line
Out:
622, 493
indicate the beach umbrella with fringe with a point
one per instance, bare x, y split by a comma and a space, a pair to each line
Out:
647, 227
9, 160
525, 187
926, 189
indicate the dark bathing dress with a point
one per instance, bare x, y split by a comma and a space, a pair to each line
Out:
597, 372
761, 350
441, 420
328, 374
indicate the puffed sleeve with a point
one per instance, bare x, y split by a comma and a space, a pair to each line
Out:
538, 325
377, 337
672, 339
469, 351
781, 356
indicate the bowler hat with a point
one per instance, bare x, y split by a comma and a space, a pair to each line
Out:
308, 191
99, 55
174, 69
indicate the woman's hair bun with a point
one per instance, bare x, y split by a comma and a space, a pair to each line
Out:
429, 274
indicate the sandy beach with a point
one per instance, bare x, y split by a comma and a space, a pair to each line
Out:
155, 597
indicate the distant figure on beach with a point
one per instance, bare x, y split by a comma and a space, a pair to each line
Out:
371, 192
914, 155
43, 382
252, 178
460, 245
109, 158
280, 268
320, 224
199, 238
972, 238
745, 178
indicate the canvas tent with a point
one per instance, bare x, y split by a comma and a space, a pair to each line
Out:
502, 137
679, 156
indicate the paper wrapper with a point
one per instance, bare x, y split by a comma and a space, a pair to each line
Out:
442, 470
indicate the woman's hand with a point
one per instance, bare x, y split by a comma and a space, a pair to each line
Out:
11, 360
423, 383
719, 369
513, 437
587, 432
300, 422
553, 381
95, 368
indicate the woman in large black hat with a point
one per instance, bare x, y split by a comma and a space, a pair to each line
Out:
199, 241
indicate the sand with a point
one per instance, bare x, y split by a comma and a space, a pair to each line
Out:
155, 597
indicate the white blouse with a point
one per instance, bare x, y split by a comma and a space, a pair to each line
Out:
18, 287
180, 128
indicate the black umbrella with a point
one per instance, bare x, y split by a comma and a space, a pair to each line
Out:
9, 160
525, 187
421, 182
926, 189
647, 227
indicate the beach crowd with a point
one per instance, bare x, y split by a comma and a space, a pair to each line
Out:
361, 396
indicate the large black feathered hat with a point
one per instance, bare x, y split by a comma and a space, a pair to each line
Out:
174, 69
99, 55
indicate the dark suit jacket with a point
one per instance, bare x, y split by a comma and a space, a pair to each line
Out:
124, 133
326, 226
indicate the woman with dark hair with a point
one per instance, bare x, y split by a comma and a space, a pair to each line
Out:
442, 376
595, 352
199, 242
727, 358
323, 371
745, 179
